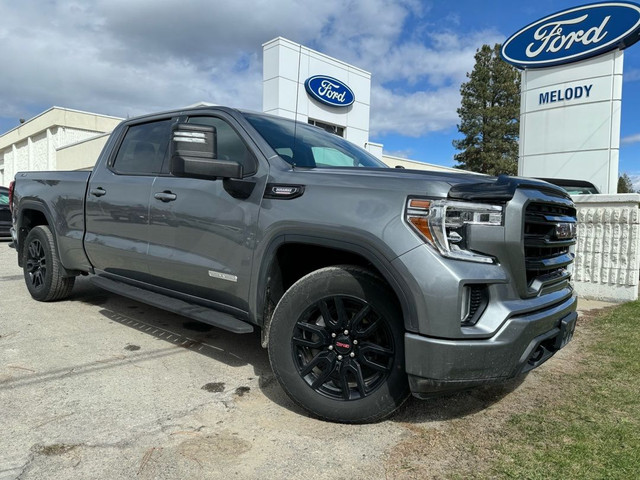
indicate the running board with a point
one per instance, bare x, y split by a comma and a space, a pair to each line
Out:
191, 310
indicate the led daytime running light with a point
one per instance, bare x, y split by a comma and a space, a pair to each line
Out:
442, 223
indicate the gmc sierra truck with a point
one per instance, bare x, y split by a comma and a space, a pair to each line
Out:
367, 283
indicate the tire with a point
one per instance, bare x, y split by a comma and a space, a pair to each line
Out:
42, 268
352, 377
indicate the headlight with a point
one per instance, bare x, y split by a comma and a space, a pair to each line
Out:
443, 224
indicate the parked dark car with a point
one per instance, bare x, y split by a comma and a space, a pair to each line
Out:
5, 213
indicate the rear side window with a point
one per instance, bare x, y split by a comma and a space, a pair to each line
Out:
144, 148
230, 145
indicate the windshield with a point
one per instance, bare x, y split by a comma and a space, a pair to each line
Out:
311, 146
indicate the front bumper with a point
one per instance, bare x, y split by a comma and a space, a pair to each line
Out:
523, 343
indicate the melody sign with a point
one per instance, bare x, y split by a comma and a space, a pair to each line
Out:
574, 34
329, 90
569, 93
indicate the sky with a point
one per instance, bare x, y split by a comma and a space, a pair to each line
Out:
130, 57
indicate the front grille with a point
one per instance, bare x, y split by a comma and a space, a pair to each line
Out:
546, 255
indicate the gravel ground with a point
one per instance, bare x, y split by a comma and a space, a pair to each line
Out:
100, 386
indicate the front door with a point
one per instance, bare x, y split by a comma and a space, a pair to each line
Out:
202, 232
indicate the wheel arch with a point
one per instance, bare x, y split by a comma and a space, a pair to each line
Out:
312, 253
32, 213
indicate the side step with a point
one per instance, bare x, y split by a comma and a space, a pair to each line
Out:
196, 312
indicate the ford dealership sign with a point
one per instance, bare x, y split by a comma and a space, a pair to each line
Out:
329, 91
574, 34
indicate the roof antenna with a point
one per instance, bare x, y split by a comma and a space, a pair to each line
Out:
295, 125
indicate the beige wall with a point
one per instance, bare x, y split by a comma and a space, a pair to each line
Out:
82, 154
34, 145
414, 165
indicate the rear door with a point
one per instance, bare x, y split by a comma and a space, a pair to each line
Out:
202, 232
117, 203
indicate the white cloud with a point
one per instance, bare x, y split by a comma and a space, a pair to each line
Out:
121, 58
630, 139
407, 153
635, 181
413, 114
632, 75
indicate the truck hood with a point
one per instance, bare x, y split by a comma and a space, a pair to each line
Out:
457, 186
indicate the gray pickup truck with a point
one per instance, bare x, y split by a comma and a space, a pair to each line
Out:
367, 283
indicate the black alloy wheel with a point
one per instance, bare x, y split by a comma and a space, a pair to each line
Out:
43, 272
343, 348
36, 264
336, 345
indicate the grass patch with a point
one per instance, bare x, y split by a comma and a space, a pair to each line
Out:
593, 429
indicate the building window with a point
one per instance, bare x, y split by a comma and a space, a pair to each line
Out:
336, 130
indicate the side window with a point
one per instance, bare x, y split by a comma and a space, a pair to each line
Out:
230, 145
144, 148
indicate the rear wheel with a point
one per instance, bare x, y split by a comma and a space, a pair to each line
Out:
42, 268
336, 345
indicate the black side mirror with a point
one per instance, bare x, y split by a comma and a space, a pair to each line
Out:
194, 153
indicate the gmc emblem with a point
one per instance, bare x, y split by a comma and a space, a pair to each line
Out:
565, 230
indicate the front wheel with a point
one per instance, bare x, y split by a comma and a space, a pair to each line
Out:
42, 268
336, 345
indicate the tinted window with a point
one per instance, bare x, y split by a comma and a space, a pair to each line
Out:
330, 157
144, 148
307, 146
4, 198
230, 145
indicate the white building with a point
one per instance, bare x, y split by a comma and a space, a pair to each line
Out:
286, 68
42, 143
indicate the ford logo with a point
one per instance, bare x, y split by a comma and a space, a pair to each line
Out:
574, 34
329, 91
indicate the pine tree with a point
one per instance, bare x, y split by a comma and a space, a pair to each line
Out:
489, 116
625, 185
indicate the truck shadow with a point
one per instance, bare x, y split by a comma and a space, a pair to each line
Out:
245, 350
455, 405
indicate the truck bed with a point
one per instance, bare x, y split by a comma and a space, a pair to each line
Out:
59, 196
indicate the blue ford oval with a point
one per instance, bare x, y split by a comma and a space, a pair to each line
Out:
573, 35
329, 90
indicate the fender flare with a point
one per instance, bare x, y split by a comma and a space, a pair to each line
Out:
365, 250
39, 206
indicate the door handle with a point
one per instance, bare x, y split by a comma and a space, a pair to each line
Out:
97, 192
165, 196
